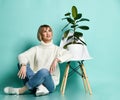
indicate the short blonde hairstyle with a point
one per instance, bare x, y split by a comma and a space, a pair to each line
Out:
40, 31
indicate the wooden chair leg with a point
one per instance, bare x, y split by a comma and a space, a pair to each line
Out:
64, 81
85, 85
86, 79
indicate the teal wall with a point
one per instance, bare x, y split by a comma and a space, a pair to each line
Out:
20, 19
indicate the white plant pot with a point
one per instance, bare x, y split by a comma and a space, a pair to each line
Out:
76, 50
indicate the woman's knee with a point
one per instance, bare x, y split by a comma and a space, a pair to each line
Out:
44, 72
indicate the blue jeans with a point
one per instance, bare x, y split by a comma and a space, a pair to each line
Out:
43, 76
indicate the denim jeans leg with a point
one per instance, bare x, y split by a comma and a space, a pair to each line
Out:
44, 77
49, 84
29, 73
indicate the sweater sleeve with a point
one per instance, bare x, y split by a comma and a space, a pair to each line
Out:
64, 55
27, 56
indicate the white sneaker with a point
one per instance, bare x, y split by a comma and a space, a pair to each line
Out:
11, 90
41, 90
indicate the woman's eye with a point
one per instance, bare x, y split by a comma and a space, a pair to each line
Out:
50, 31
44, 31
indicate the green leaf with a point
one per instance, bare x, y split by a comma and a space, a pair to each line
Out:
78, 34
83, 19
65, 46
82, 41
84, 27
67, 14
73, 26
70, 20
78, 16
76, 39
66, 33
65, 18
69, 37
74, 12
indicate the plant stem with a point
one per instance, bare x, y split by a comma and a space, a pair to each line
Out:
74, 31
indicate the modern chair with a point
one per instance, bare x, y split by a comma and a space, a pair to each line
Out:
81, 55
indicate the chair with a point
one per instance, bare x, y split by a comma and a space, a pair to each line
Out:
81, 56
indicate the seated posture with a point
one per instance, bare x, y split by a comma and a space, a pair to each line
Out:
38, 66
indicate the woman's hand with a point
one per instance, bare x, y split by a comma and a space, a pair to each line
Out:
22, 72
53, 65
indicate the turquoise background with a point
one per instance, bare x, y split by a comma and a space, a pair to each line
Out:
19, 22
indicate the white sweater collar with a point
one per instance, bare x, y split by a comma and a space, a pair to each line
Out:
46, 44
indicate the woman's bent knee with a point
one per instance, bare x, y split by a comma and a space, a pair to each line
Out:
43, 72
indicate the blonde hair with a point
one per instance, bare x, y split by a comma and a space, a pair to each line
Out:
40, 31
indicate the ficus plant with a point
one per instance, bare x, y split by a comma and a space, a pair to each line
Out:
74, 20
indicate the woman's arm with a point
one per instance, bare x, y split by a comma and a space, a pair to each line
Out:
54, 64
24, 58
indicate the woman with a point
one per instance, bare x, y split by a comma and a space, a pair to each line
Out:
39, 65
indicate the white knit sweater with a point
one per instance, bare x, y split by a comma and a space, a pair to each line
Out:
42, 56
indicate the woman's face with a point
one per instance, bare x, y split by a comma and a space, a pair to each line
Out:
46, 35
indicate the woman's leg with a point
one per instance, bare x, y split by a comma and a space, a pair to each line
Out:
11, 90
29, 73
44, 77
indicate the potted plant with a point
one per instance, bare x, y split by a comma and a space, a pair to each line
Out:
74, 38
74, 19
